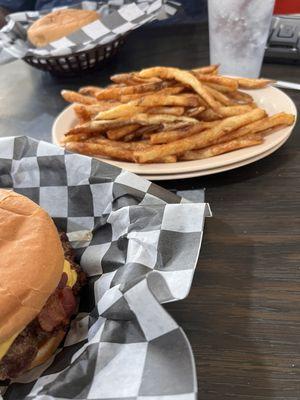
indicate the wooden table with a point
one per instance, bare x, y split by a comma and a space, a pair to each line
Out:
243, 313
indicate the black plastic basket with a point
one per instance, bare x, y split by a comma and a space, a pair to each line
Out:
76, 63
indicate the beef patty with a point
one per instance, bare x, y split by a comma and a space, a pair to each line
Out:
54, 317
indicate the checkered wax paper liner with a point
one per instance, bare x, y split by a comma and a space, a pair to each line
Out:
139, 246
118, 18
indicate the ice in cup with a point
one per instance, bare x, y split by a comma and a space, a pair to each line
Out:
238, 31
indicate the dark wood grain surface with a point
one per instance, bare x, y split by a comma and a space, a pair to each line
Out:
243, 313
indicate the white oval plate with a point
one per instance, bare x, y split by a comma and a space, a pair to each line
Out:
213, 170
271, 99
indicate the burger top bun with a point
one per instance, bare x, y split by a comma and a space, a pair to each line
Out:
31, 264
58, 24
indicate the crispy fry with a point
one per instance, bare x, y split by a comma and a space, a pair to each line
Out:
100, 150
235, 110
280, 119
80, 137
121, 145
96, 127
88, 112
121, 111
132, 136
209, 69
220, 88
240, 97
222, 148
81, 113
126, 98
194, 112
90, 90
119, 133
108, 150
220, 97
199, 140
208, 115
166, 91
116, 92
168, 100
141, 119
74, 97
167, 110
171, 136
230, 83
184, 77
147, 131
145, 119
167, 159
131, 77
196, 98
247, 83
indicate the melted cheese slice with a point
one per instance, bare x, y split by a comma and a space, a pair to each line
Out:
72, 274
72, 278
6, 345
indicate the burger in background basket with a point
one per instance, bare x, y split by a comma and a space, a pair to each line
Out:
39, 287
59, 24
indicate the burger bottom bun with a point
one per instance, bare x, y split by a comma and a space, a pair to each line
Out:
48, 349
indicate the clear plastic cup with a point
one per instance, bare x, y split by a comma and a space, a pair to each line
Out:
238, 32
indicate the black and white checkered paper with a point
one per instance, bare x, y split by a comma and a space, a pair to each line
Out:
139, 246
117, 18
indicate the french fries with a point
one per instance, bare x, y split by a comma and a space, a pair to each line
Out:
201, 139
119, 133
164, 115
171, 136
222, 148
184, 77
74, 97
109, 150
210, 69
246, 83
230, 83
116, 92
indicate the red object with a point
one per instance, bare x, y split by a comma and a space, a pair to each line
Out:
287, 7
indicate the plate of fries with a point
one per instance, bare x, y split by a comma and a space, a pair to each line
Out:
164, 121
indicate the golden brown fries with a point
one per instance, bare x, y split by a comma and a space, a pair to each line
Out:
168, 90
119, 133
74, 97
234, 110
109, 150
210, 69
116, 92
199, 140
89, 90
86, 113
220, 97
184, 77
280, 119
240, 97
131, 77
222, 148
247, 83
164, 114
167, 110
171, 136
168, 100
230, 83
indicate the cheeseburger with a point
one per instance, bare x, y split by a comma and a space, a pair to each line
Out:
39, 285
